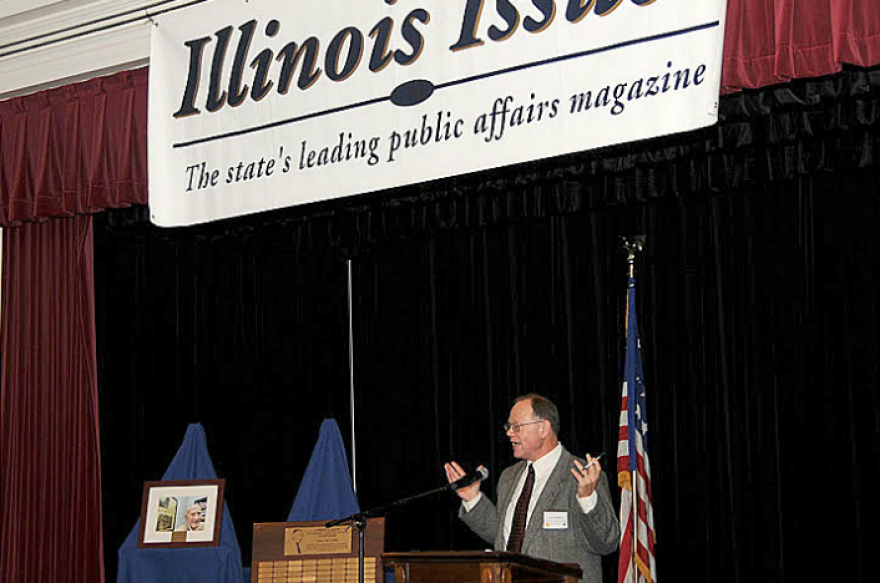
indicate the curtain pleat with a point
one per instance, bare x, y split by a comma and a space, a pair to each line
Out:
773, 41
50, 484
78, 149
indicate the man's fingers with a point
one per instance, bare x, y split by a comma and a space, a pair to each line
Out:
586, 473
580, 475
453, 471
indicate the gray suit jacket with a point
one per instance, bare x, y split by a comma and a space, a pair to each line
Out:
587, 537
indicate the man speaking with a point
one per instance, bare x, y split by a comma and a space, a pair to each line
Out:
551, 505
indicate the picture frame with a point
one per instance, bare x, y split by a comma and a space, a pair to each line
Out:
181, 514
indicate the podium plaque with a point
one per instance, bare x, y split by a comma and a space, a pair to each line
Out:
308, 552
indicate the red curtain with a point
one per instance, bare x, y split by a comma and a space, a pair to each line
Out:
50, 472
77, 149
773, 41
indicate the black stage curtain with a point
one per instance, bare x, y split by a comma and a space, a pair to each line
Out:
758, 304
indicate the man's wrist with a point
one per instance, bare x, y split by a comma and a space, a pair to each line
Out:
469, 504
587, 503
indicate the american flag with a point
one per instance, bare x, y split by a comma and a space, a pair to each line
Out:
636, 564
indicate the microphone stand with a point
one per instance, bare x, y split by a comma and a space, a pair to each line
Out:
359, 520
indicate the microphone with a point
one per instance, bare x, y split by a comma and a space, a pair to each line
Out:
478, 475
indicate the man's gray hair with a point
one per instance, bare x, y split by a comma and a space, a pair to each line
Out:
544, 409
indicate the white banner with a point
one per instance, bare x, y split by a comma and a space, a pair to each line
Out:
271, 103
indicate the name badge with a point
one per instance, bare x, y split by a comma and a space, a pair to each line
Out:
555, 520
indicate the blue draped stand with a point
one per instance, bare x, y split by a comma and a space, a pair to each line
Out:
221, 564
326, 492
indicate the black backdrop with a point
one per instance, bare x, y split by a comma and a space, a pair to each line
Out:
758, 305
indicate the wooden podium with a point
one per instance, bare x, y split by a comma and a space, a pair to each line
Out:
477, 567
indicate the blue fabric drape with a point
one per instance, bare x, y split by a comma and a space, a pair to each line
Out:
221, 564
326, 491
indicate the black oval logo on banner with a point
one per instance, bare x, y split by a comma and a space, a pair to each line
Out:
412, 92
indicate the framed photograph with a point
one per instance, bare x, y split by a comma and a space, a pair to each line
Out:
187, 513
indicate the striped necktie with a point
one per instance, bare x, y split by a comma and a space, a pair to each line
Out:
520, 514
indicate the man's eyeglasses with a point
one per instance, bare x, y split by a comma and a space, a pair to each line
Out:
516, 426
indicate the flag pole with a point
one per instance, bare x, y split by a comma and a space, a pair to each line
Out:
631, 259
635, 519
637, 244
354, 482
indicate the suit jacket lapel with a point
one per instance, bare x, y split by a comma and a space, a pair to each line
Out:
504, 500
548, 495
